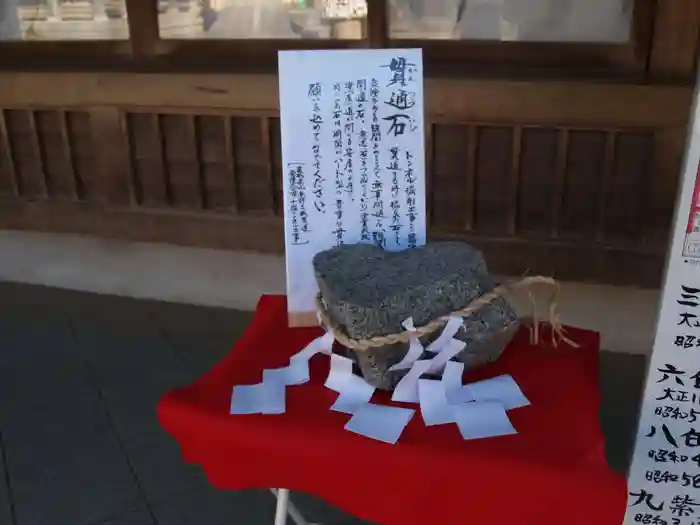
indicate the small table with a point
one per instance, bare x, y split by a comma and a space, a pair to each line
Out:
552, 472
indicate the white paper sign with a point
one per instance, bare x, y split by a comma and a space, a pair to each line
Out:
664, 480
352, 157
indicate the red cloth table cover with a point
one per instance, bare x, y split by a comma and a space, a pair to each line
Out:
552, 472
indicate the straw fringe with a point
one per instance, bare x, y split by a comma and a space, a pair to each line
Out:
557, 333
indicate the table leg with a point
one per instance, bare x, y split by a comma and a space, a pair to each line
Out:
286, 507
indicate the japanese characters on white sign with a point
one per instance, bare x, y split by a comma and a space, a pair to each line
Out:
352, 158
664, 480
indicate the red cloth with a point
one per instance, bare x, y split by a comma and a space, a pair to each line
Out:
552, 472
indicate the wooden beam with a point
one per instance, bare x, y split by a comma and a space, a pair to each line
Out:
556, 103
378, 23
220, 230
143, 27
640, 266
674, 50
573, 104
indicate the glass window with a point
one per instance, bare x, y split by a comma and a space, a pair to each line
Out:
281, 19
604, 21
63, 20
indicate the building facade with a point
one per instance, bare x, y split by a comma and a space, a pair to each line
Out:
555, 136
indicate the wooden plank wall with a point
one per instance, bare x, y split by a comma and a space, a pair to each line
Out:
568, 189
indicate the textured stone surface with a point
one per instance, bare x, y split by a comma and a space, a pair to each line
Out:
370, 292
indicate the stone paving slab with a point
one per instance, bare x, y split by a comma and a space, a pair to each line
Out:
80, 444
6, 511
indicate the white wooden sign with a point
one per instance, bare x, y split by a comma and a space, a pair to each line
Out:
664, 480
352, 157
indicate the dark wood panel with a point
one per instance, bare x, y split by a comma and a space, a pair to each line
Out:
276, 164
185, 183
537, 181
494, 198
565, 260
143, 27
585, 158
669, 151
252, 164
26, 153
83, 154
532, 195
274, 186
185, 228
114, 178
626, 198
61, 55
627, 268
59, 172
150, 176
8, 175
216, 154
182, 161
559, 183
452, 171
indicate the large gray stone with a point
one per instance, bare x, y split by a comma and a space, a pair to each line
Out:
370, 292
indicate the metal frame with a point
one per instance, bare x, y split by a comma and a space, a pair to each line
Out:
286, 508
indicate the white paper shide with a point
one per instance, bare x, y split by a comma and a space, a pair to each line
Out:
352, 155
478, 409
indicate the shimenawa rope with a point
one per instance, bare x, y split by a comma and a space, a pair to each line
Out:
475, 305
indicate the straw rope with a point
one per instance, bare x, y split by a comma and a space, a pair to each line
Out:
475, 305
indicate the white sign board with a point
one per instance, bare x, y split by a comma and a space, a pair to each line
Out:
352, 158
664, 480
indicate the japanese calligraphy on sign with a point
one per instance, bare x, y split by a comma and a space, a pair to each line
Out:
664, 480
352, 158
